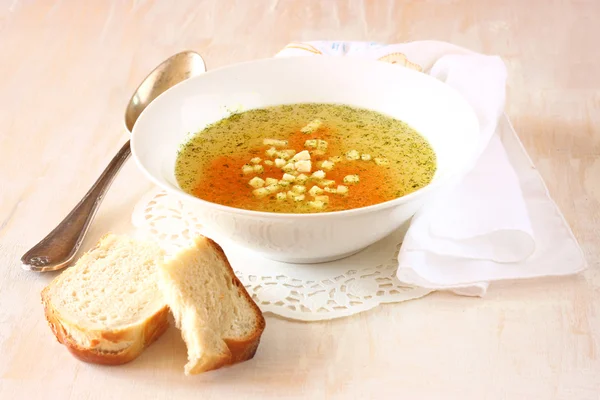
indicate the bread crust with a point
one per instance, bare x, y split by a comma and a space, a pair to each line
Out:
139, 336
242, 349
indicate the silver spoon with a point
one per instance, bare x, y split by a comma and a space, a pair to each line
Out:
57, 249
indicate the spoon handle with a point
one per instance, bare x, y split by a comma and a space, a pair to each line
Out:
57, 249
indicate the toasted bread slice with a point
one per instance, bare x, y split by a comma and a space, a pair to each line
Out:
219, 321
107, 308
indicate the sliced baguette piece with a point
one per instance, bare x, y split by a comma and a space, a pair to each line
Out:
107, 308
219, 321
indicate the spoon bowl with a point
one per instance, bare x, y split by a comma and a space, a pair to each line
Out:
176, 69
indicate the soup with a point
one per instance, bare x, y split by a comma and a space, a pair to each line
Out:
305, 158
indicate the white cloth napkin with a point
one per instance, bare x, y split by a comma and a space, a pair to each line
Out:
489, 225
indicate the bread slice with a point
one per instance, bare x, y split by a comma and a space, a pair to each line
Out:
219, 322
107, 308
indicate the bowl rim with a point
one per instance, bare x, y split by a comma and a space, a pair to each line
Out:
421, 192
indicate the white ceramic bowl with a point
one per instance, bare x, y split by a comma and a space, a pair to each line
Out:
437, 111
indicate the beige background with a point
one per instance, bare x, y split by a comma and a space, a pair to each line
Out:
67, 69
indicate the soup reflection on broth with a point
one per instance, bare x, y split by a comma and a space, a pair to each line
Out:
305, 158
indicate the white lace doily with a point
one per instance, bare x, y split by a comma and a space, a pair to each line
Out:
297, 291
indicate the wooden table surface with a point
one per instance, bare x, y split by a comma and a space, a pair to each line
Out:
67, 70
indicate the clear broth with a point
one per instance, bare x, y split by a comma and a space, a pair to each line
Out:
210, 165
